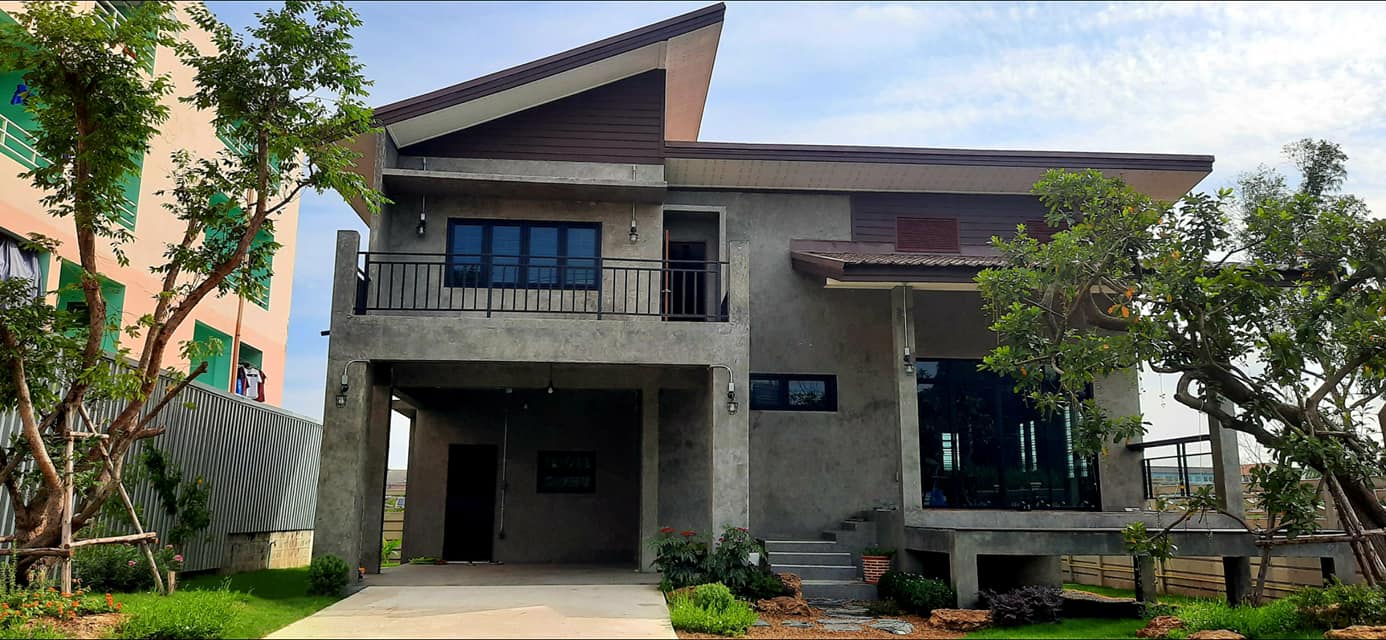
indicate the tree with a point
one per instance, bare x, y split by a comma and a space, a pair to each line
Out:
286, 91
1272, 300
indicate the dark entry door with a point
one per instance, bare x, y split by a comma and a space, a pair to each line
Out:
471, 506
687, 298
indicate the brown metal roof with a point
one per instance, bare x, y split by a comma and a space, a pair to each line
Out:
925, 155
554, 64
911, 259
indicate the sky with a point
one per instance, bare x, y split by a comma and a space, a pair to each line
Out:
1237, 81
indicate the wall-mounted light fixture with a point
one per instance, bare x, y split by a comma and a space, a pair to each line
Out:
731, 387
346, 383
634, 233
549, 389
423, 223
907, 329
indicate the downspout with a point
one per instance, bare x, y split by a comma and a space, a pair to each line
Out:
504, 479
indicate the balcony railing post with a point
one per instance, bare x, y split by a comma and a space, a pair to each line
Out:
601, 279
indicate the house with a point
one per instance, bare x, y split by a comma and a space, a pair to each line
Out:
602, 326
130, 288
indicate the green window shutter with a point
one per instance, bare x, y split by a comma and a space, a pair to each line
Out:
131, 184
263, 276
219, 366
16, 124
70, 298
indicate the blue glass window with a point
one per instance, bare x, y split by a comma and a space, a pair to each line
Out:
510, 253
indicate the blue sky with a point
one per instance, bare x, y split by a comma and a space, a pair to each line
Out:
1234, 80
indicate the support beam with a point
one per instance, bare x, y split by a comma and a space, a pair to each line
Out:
1227, 465
962, 572
1122, 485
1147, 590
1236, 578
731, 487
911, 496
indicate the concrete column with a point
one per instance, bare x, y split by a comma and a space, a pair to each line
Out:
911, 496
1119, 469
1146, 589
1236, 578
731, 487
1227, 465
649, 473
962, 571
375, 459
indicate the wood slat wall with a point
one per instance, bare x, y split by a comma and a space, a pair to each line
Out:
979, 216
618, 122
1192, 576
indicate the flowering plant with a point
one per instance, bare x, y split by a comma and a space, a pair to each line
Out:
682, 558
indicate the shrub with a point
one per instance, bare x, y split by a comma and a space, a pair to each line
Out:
915, 593
878, 551
327, 576
193, 614
727, 563
1278, 618
1340, 605
1026, 605
388, 548
681, 557
711, 608
764, 585
882, 608
119, 568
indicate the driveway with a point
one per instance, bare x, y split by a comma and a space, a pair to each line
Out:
549, 604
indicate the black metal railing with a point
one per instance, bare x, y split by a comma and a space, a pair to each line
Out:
687, 290
1177, 475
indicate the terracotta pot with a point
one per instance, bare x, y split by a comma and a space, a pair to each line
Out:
872, 567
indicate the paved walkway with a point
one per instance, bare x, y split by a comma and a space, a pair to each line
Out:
547, 604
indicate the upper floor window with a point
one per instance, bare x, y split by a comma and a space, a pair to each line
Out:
523, 254
793, 392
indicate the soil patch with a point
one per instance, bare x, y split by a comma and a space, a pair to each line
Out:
93, 626
777, 629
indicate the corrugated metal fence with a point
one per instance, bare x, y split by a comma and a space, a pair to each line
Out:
260, 462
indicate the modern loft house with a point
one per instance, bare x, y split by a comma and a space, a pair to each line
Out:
601, 325
130, 289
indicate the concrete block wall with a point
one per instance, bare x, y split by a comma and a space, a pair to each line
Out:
266, 550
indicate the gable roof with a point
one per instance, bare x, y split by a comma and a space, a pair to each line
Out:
619, 56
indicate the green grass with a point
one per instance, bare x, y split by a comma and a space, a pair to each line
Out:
1076, 628
266, 600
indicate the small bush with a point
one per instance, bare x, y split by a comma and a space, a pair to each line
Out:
327, 576
1026, 605
194, 614
878, 551
882, 608
1340, 605
681, 557
1276, 619
119, 568
711, 609
764, 585
915, 593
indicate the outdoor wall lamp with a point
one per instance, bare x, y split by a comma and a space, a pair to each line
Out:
731, 387
634, 233
346, 383
909, 361
423, 224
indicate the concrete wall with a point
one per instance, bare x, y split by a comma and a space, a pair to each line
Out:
266, 550
600, 527
685, 450
810, 470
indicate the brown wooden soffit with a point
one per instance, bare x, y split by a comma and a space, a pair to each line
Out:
877, 262
552, 65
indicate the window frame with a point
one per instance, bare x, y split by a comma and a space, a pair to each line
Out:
782, 402
521, 280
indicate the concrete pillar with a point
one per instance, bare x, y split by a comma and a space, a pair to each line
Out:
731, 486
355, 443
1146, 589
1118, 468
911, 497
649, 473
1227, 464
1236, 578
962, 572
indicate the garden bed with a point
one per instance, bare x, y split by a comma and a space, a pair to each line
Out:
777, 629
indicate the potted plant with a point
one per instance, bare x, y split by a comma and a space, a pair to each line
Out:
875, 561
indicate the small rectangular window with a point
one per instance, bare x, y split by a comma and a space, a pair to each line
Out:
793, 392
567, 472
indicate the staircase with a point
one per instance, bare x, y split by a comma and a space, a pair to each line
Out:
830, 567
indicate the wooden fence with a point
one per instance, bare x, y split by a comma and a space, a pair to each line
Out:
1197, 577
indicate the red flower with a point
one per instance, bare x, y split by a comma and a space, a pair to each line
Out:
666, 530
689, 533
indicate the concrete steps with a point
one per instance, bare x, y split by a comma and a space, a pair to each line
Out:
830, 567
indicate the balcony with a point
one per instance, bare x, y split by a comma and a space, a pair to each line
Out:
501, 285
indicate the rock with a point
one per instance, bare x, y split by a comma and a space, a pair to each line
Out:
793, 586
841, 628
797, 624
760, 622
889, 625
1160, 626
1083, 604
845, 612
845, 620
1216, 634
1356, 632
960, 619
784, 606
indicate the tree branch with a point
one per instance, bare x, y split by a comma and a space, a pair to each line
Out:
171, 394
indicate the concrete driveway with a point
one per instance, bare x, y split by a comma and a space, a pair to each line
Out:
551, 605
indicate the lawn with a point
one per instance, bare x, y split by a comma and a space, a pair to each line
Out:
267, 600
1077, 628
